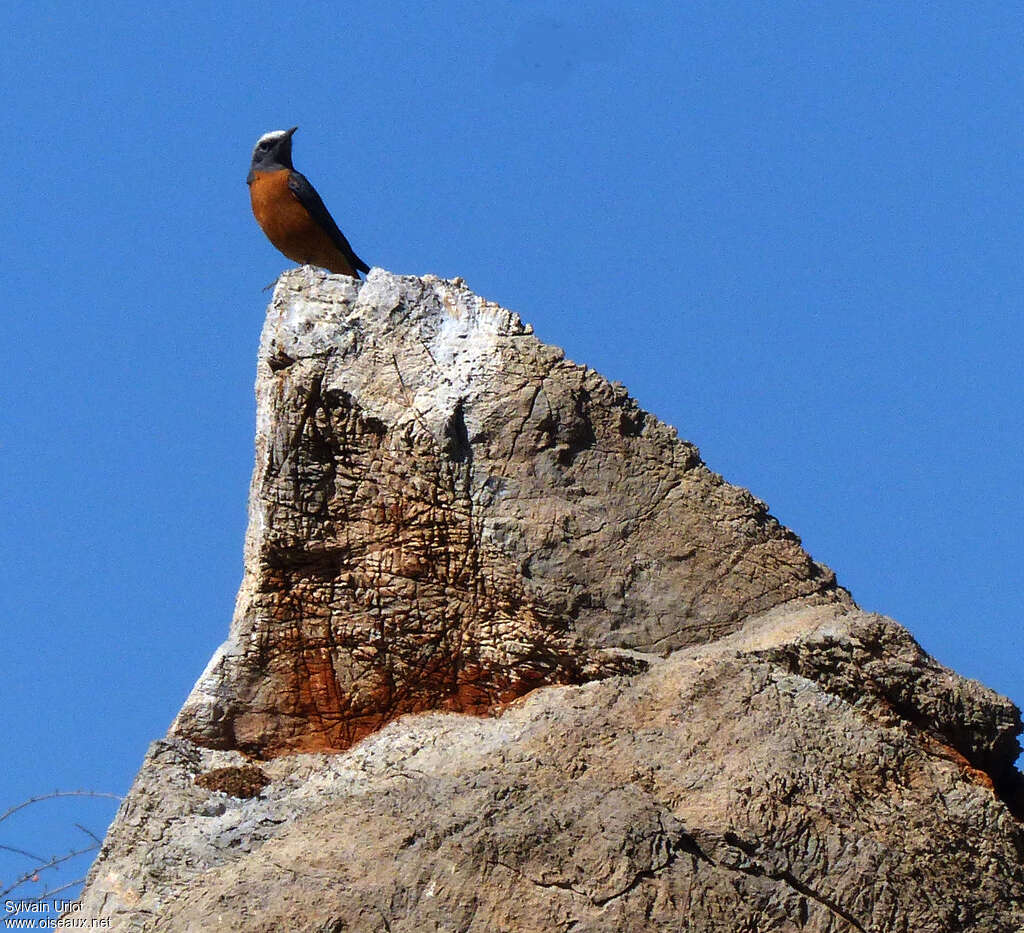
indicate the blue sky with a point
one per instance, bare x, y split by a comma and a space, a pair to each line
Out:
793, 230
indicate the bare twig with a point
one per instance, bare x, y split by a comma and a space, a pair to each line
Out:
32, 873
37, 858
49, 892
54, 794
56, 860
90, 834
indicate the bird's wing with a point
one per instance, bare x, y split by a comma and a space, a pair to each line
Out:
312, 202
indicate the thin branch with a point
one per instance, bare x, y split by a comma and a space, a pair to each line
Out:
49, 892
37, 858
57, 793
32, 873
90, 834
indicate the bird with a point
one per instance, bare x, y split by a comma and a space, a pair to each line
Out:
290, 211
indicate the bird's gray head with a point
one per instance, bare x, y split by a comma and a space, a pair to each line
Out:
273, 151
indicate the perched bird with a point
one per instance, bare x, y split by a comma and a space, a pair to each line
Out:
290, 211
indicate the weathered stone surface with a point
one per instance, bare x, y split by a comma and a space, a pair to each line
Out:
719, 791
446, 514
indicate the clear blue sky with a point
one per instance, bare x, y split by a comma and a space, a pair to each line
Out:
794, 230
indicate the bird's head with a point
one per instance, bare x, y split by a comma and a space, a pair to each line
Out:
273, 151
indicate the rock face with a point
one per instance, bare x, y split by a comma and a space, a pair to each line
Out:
447, 515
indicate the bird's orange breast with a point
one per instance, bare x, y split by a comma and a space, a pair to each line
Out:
289, 226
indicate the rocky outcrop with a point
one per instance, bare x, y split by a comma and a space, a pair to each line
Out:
447, 515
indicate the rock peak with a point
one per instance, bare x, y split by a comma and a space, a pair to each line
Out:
445, 515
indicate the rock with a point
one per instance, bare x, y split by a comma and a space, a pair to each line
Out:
684, 722
445, 514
